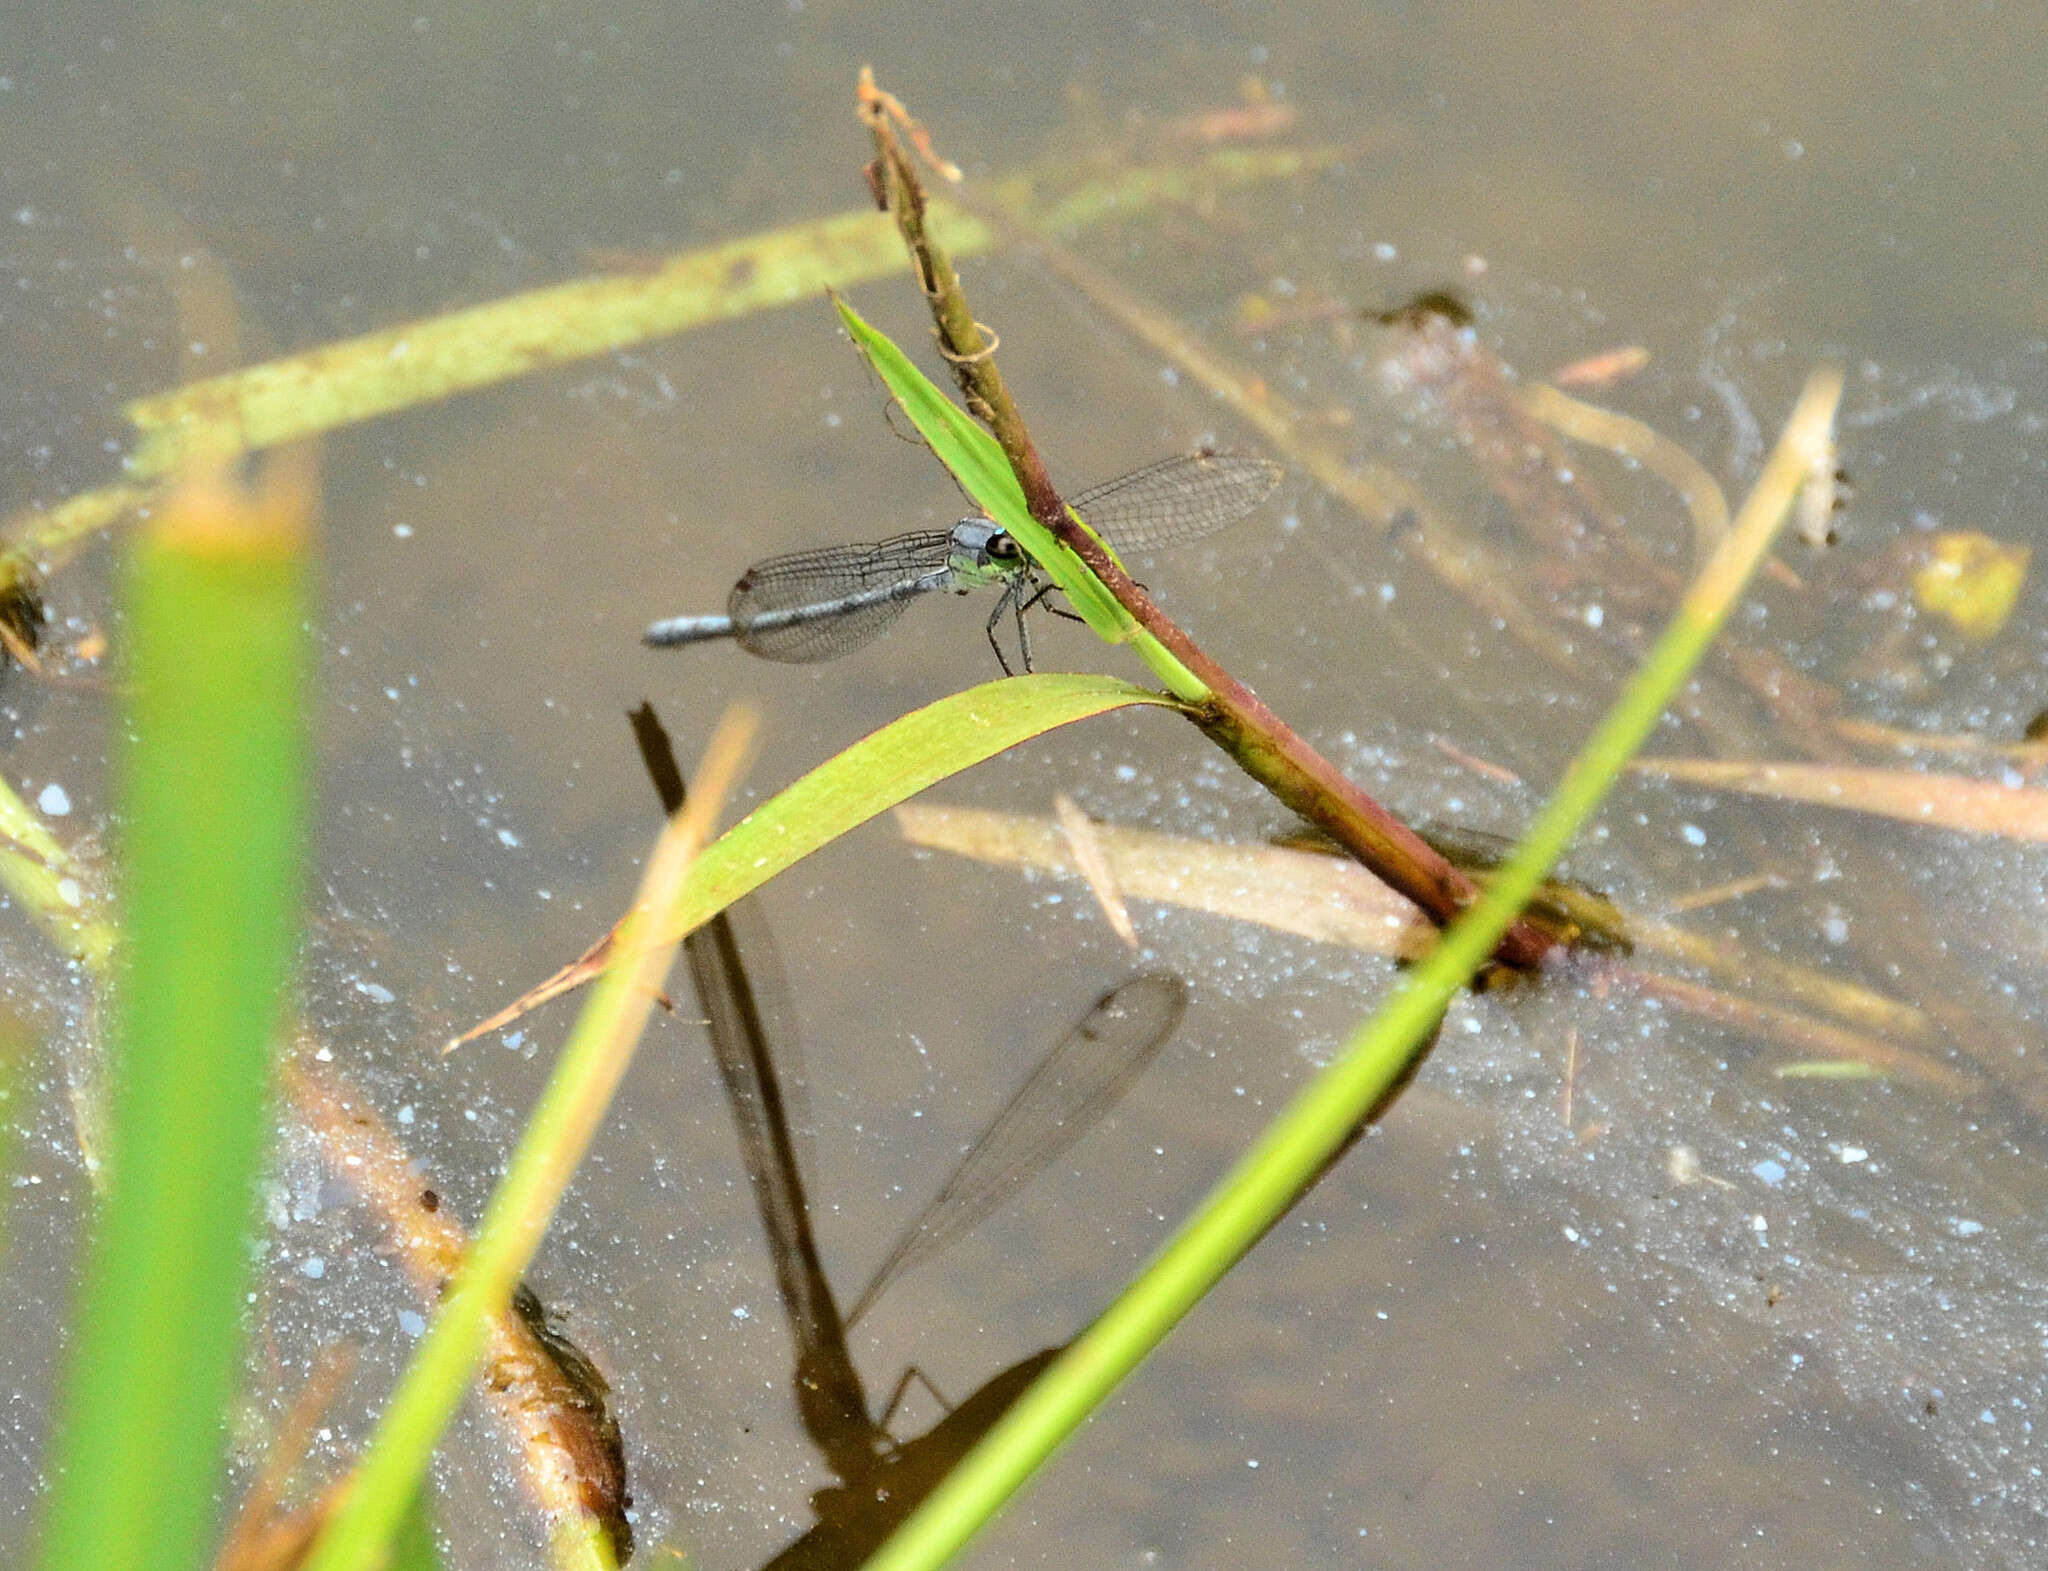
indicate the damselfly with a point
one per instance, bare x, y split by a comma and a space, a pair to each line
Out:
821, 604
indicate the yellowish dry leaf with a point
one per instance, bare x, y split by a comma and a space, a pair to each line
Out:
1321, 897
1975, 807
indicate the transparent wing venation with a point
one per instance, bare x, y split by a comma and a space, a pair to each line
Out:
764, 603
1066, 1095
1177, 500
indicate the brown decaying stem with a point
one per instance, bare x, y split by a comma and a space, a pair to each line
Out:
568, 1446
1263, 745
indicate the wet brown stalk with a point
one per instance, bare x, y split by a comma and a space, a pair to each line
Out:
1262, 744
544, 1391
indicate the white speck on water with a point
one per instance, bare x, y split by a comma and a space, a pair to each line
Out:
54, 800
313, 1266
513, 1039
1963, 1227
1835, 929
741, 1312
403, 531
70, 892
375, 990
1571, 1234
1169, 376
405, 1114
1853, 1154
1772, 1173
412, 1322
507, 838
1595, 615
1384, 252
1692, 834
1759, 1224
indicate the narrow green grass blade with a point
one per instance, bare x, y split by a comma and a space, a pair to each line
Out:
213, 788
874, 774
979, 464
16, 1047
415, 1546
887, 767
1302, 1140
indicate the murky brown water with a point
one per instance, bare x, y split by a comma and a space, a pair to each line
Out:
1487, 1338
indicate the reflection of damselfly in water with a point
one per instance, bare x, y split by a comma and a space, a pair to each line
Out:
1073, 1086
824, 603
882, 1479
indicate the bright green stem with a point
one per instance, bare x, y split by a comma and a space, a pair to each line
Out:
214, 798
1297, 1146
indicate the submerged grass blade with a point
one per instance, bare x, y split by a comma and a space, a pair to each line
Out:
380, 373
1953, 802
420, 362
214, 782
1297, 1146
1334, 900
358, 1535
1326, 898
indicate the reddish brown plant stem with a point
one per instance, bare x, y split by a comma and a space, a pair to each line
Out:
1234, 717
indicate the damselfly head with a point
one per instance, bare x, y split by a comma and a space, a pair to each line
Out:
983, 552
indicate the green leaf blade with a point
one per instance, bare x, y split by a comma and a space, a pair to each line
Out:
887, 767
214, 789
